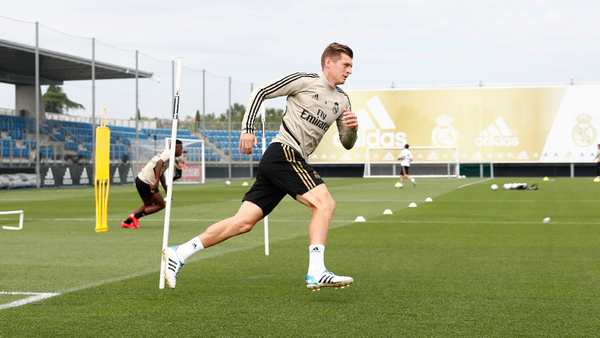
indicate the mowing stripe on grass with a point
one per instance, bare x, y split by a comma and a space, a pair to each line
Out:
162, 220
37, 296
482, 222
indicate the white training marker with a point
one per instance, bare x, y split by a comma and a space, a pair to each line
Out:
387, 212
360, 219
428, 199
412, 205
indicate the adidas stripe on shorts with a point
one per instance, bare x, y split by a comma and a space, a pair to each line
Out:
281, 171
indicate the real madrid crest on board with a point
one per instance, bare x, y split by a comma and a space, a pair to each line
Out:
444, 135
583, 133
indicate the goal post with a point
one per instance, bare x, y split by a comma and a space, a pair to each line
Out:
382, 162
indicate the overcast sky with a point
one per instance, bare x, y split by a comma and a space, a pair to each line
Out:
409, 43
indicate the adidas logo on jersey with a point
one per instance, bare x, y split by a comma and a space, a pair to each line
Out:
497, 134
316, 97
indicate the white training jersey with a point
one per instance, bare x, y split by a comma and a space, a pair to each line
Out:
147, 175
313, 105
405, 162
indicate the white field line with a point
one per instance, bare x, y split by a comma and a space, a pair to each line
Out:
37, 296
34, 297
468, 184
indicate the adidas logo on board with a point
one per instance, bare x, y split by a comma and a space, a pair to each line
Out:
497, 134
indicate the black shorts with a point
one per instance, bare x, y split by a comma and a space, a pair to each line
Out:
144, 188
281, 171
405, 170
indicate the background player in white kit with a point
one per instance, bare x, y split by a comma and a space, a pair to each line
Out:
405, 158
314, 103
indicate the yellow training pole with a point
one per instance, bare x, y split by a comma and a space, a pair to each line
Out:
102, 173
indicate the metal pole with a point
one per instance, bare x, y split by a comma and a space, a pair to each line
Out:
263, 112
172, 83
572, 169
229, 119
204, 101
37, 106
137, 136
93, 105
263, 127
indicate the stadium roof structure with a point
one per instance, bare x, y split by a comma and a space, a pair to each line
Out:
17, 66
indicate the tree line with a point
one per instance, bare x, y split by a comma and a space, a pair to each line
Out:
56, 101
237, 114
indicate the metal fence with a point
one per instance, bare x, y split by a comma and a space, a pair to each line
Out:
139, 103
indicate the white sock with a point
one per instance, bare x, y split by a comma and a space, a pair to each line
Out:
316, 259
184, 251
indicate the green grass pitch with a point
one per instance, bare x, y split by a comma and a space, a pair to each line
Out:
472, 263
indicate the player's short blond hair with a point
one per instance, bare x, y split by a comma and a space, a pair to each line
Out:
334, 52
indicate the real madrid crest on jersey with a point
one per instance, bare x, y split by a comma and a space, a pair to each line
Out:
444, 135
583, 134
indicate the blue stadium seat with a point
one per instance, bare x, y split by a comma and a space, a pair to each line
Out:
29, 143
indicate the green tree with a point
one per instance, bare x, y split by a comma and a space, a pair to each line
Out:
212, 118
273, 115
237, 113
197, 121
56, 101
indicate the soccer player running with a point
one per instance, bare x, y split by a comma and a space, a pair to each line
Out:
179, 165
314, 103
405, 158
146, 183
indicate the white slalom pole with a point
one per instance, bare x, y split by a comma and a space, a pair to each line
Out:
171, 171
264, 147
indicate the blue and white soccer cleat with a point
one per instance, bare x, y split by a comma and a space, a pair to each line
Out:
327, 279
172, 264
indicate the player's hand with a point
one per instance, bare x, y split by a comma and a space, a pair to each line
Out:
247, 140
350, 119
154, 187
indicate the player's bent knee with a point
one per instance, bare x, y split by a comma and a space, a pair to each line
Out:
326, 206
243, 226
330, 206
